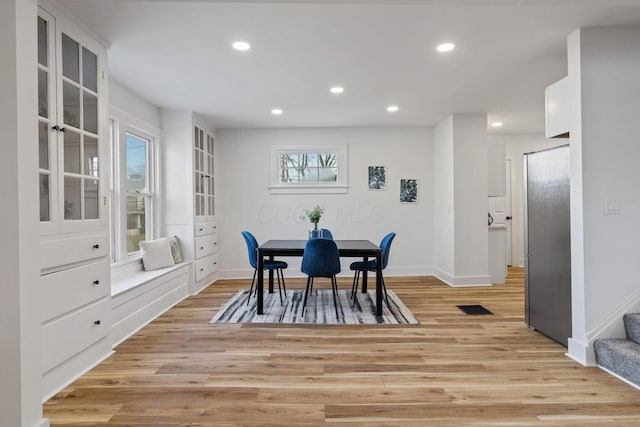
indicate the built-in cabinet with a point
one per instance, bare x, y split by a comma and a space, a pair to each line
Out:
557, 109
74, 244
189, 165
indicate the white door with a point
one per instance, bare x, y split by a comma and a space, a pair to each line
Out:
500, 209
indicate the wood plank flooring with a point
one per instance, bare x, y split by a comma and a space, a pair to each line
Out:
452, 369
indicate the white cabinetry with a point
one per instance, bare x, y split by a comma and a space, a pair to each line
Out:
557, 109
498, 253
74, 243
188, 145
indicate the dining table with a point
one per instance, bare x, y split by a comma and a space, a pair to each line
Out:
364, 249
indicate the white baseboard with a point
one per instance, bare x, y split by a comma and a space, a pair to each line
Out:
42, 423
462, 281
610, 326
581, 352
619, 377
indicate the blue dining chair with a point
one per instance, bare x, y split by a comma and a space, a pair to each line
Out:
278, 266
321, 259
370, 265
326, 233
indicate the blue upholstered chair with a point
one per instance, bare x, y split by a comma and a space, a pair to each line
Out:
278, 266
360, 266
326, 233
321, 259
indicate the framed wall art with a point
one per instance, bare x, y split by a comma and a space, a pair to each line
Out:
377, 178
408, 191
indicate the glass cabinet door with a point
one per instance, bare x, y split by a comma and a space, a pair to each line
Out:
211, 206
200, 173
46, 159
69, 141
80, 147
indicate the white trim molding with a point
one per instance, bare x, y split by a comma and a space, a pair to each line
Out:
610, 326
461, 281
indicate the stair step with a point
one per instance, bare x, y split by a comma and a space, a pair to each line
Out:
619, 356
632, 326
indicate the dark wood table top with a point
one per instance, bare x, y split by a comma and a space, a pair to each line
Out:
346, 248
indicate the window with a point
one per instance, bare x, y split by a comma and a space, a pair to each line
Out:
299, 169
308, 167
134, 210
137, 189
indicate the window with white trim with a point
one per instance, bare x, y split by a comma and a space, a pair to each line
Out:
134, 215
312, 169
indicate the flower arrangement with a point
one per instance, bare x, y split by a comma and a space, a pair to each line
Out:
314, 215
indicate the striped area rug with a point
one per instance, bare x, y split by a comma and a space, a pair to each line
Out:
320, 309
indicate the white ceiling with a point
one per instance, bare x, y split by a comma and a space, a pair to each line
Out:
178, 55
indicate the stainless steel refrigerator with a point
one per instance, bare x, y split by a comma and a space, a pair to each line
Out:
548, 243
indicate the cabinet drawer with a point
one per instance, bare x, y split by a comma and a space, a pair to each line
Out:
203, 228
69, 335
206, 245
68, 289
60, 252
206, 266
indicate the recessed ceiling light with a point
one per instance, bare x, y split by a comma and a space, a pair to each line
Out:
240, 45
496, 124
445, 47
392, 108
337, 89
277, 111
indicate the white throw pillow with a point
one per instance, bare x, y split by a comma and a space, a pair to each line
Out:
156, 254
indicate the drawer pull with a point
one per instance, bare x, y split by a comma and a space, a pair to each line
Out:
215, 243
97, 322
201, 247
96, 282
202, 269
96, 246
201, 229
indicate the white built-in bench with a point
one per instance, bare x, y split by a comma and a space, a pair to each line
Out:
138, 296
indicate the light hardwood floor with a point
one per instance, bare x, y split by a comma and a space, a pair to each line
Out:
452, 369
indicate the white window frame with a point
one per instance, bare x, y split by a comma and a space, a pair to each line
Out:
123, 123
338, 187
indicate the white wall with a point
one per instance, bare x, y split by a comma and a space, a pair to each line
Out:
20, 330
243, 159
516, 147
126, 100
471, 189
461, 181
443, 225
604, 65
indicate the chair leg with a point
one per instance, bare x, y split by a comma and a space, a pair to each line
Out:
306, 293
334, 288
284, 288
251, 288
354, 288
386, 296
279, 286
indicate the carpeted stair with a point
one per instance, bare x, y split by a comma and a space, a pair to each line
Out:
620, 356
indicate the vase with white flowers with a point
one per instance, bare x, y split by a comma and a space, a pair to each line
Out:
314, 216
